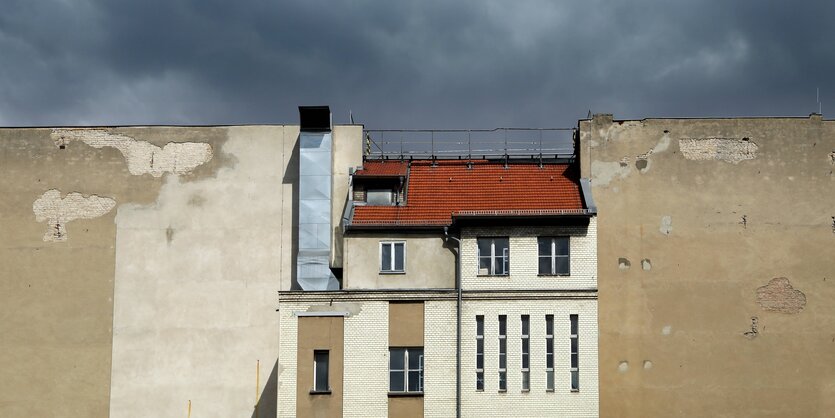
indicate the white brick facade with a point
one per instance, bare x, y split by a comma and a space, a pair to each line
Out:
524, 267
366, 375
439, 359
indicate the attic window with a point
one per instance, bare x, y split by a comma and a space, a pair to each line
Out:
380, 197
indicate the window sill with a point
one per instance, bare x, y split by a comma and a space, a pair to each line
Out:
405, 394
393, 272
575, 390
502, 390
549, 390
320, 392
554, 275
493, 275
526, 391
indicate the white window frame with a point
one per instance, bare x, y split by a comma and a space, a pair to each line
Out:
393, 245
526, 338
574, 366
316, 369
479, 372
505, 256
406, 369
502, 353
553, 256
549, 354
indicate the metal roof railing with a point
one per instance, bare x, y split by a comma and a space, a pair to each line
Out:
469, 143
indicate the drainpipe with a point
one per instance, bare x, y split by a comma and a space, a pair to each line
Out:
457, 322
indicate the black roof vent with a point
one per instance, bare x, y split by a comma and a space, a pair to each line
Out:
315, 118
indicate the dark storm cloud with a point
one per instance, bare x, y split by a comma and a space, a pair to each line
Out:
474, 63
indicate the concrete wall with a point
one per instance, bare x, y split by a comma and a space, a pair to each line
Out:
716, 275
429, 263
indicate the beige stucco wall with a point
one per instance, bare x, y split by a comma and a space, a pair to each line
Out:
696, 218
429, 262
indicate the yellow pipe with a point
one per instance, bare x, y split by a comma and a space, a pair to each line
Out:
189, 408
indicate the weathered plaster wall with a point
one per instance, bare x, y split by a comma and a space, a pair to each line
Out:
716, 273
56, 289
429, 263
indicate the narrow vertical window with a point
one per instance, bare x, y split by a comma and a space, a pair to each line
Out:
320, 371
526, 352
549, 352
493, 256
479, 352
392, 257
554, 256
575, 354
502, 352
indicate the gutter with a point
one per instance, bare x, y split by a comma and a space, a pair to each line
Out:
457, 322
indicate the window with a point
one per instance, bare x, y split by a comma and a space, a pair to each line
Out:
553, 256
549, 352
575, 361
479, 352
502, 353
526, 352
493, 256
379, 197
392, 257
406, 370
320, 371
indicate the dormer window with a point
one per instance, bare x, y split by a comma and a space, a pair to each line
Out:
379, 197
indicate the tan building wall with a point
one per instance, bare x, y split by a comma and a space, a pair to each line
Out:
697, 218
429, 263
319, 333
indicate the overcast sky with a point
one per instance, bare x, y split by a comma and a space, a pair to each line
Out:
421, 64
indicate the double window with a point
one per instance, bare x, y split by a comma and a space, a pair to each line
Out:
493, 256
553, 256
392, 257
406, 370
320, 371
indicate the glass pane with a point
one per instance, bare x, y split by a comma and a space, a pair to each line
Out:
526, 325
484, 247
502, 324
484, 265
561, 265
526, 361
549, 380
573, 345
549, 324
526, 380
545, 265
575, 380
397, 382
415, 359
397, 359
498, 265
385, 257
526, 346
502, 380
479, 361
501, 245
549, 360
544, 247
502, 361
414, 381
379, 196
398, 257
321, 366
561, 246
479, 381
574, 360
479, 325
573, 319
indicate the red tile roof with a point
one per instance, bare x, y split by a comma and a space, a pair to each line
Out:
436, 194
383, 168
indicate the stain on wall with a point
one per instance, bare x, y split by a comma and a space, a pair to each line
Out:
779, 296
142, 157
57, 211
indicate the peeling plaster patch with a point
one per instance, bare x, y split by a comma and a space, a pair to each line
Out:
624, 263
647, 364
646, 264
604, 172
666, 225
352, 308
50, 207
779, 296
141, 156
641, 164
623, 367
732, 150
666, 330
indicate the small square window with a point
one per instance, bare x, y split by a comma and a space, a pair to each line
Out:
554, 257
493, 256
392, 257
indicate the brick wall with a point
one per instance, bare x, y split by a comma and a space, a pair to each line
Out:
439, 359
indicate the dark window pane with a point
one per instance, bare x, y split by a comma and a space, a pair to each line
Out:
573, 319
575, 380
479, 361
545, 265
526, 380
526, 346
549, 360
484, 247
415, 359
574, 360
479, 325
321, 366
397, 381
398, 257
502, 324
573, 345
498, 266
561, 246
501, 245
526, 325
549, 324
484, 265
398, 359
526, 361
479, 381
549, 380
562, 265
502, 380
544, 246
414, 381
385, 257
